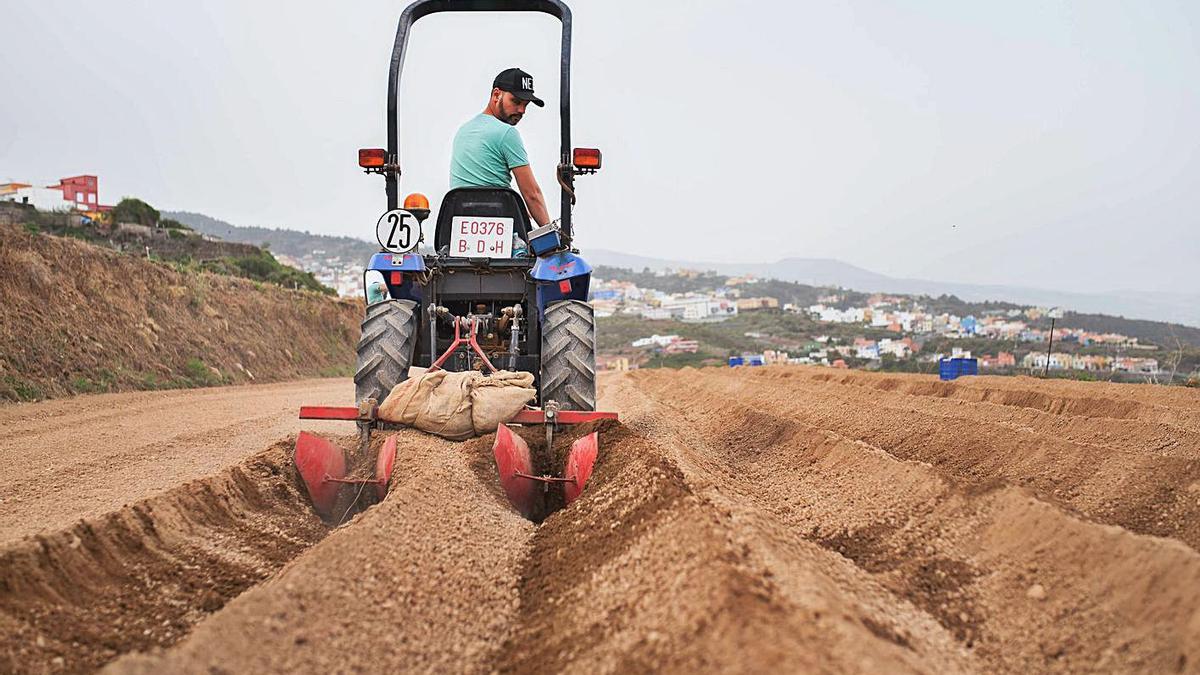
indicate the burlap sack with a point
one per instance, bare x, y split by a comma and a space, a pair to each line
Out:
496, 399
406, 400
447, 411
458, 406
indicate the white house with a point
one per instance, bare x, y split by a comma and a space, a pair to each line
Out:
42, 199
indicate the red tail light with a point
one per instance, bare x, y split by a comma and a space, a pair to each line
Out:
586, 158
397, 278
369, 158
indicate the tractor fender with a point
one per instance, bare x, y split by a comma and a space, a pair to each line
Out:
560, 276
401, 272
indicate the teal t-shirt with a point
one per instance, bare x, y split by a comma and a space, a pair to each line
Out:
485, 150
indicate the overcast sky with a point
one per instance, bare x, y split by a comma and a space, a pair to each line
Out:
1030, 143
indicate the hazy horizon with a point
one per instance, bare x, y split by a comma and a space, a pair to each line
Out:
1049, 146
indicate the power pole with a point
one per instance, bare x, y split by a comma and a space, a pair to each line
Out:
1054, 313
1049, 347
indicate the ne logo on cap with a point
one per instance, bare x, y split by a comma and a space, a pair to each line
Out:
527, 83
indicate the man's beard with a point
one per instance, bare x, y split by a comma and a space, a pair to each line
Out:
509, 117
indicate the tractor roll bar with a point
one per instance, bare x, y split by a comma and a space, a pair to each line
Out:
422, 8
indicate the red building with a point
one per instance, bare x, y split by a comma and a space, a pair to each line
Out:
83, 190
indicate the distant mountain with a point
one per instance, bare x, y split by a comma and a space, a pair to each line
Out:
288, 242
1183, 308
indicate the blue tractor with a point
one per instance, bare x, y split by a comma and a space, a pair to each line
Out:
470, 303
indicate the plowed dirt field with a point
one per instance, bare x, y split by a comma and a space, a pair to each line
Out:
749, 520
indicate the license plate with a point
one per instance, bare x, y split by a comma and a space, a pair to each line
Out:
481, 237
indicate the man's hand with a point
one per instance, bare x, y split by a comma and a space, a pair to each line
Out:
528, 186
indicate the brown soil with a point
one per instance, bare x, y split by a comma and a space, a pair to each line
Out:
783, 519
80, 318
142, 576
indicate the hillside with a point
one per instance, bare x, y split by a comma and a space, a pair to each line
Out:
288, 242
75, 318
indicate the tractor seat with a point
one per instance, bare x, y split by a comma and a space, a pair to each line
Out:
480, 201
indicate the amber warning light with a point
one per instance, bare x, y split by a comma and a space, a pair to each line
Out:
586, 158
416, 201
370, 158
418, 205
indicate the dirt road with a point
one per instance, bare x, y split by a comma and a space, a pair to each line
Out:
83, 457
739, 520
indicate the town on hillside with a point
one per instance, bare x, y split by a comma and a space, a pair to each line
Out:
842, 329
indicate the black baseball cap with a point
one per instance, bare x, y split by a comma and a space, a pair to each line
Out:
518, 83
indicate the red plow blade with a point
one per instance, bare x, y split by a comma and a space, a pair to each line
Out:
322, 466
383, 466
514, 464
318, 460
580, 461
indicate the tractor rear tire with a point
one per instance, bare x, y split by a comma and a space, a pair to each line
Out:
385, 349
569, 355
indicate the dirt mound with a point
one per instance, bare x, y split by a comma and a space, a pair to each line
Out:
142, 576
79, 318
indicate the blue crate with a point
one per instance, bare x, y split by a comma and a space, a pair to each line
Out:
736, 361
950, 369
545, 239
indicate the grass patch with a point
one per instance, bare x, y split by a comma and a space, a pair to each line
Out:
105, 381
198, 374
17, 389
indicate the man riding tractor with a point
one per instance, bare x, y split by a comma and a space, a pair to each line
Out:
488, 147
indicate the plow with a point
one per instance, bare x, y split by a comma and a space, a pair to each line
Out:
490, 286
323, 468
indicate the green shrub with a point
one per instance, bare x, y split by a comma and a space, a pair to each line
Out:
263, 267
131, 210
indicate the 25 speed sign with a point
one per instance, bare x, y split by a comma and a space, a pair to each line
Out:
398, 231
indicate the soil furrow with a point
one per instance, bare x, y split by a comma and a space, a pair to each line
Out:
1144, 492
748, 520
1083, 399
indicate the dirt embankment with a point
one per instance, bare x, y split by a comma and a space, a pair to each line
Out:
77, 318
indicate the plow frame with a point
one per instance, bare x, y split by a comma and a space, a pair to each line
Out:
322, 465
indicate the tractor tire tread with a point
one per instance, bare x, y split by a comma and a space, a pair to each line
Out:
568, 373
385, 348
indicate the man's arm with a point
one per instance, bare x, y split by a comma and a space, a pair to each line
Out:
528, 186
